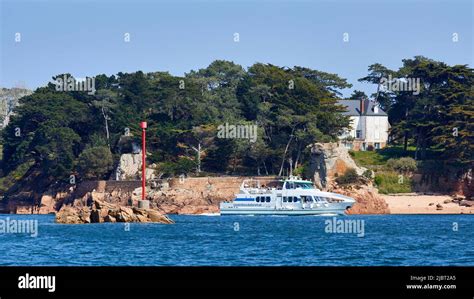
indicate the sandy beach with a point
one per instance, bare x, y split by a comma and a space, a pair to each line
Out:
424, 204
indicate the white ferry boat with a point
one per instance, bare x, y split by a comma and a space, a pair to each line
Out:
292, 196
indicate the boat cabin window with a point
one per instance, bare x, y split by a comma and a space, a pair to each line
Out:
290, 199
296, 199
257, 199
285, 199
267, 199
302, 185
275, 184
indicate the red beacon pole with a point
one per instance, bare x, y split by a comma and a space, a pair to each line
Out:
143, 125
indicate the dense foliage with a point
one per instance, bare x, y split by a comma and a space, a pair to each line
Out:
80, 133
62, 133
438, 116
402, 165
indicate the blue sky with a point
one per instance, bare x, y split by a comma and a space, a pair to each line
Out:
86, 38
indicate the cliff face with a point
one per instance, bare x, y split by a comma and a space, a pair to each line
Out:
445, 180
328, 160
130, 168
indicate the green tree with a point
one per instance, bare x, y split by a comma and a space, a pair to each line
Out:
54, 150
95, 162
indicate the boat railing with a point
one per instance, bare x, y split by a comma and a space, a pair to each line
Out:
255, 191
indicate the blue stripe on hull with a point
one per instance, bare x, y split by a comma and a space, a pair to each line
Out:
281, 212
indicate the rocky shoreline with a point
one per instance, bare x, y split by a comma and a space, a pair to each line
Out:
117, 201
114, 201
99, 212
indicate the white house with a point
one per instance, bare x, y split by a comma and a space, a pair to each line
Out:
369, 125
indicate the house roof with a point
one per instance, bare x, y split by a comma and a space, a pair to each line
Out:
353, 108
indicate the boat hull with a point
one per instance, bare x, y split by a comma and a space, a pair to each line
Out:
286, 212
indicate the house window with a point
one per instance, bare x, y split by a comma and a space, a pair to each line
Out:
364, 146
377, 145
358, 134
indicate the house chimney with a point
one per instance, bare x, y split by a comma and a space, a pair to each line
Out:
376, 108
362, 106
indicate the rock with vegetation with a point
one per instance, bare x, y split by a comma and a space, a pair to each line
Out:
335, 171
328, 161
350, 176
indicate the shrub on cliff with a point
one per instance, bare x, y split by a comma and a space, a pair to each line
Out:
349, 177
405, 164
95, 162
368, 174
392, 182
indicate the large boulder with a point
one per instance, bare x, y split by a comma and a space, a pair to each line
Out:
156, 216
328, 160
73, 215
368, 200
130, 168
99, 211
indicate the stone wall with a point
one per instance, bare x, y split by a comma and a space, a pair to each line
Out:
198, 195
105, 186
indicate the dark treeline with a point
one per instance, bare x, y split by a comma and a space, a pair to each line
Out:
62, 133
439, 116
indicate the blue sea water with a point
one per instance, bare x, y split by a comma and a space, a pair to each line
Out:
407, 240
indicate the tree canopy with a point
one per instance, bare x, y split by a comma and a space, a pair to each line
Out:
440, 115
67, 132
